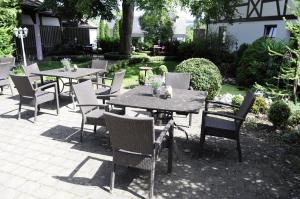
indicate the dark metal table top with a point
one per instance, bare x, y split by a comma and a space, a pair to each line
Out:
81, 72
186, 101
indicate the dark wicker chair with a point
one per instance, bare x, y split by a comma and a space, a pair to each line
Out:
225, 125
91, 110
180, 81
30, 94
36, 79
8, 61
97, 64
135, 143
4, 77
106, 92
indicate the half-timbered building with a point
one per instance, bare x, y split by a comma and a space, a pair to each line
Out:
257, 18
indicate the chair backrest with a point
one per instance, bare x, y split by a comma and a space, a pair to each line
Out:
117, 82
23, 85
178, 80
130, 133
4, 70
246, 105
8, 60
32, 69
85, 94
99, 64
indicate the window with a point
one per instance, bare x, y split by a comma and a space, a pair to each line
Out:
270, 31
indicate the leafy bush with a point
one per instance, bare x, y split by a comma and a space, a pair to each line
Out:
205, 75
237, 100
139, 58
109, 45
9, 10
259, 106
142, 76
162, 58
162, 69
115, 56
257, 65
279, 113
294, 120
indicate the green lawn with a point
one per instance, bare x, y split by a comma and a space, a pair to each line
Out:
234, 90
132, 73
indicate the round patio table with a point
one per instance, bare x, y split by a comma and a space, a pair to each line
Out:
145, 68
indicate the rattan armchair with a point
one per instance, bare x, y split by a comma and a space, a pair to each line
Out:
34, 95
4, 77
91, 110
180, 81
97, 64
36, 79
106, 92
135, 143
225, 125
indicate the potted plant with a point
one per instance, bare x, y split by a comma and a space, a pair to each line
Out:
156, 83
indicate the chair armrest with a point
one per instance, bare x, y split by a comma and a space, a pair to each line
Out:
221, 103
108, 95
104, 106
104, 85
107, 78
46, 85
223, 115
163, 133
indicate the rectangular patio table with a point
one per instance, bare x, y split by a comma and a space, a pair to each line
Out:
183, 101
61, 73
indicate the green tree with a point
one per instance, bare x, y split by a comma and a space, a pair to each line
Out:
289, 74
101, 33
158, 25
116, 30
9, 10
107, 31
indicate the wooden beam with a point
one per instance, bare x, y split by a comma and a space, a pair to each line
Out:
278, 7
285, 7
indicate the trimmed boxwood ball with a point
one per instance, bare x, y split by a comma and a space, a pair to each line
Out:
205, 75
279, 113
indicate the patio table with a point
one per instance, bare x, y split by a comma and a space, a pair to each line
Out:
185, 101
61, 73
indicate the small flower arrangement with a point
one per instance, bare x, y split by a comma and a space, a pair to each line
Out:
66, 62
156, 82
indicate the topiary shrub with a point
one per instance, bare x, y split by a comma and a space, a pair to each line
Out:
279, 113
294, 120
139, 58
259, 106
162, 69
237, 100
205, 75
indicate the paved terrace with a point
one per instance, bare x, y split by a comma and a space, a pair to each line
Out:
46, 160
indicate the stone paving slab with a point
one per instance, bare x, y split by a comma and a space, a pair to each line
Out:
46, 160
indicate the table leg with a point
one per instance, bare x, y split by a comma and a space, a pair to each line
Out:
72, 93
145, 77
97, 80
42, 80
58, 89
170, 149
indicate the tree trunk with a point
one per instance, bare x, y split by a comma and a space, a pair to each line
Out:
126, 30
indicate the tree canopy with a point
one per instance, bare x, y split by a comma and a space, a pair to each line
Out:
9, 10
158, 25
79, 10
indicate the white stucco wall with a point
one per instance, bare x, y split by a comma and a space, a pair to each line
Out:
93, 36
50, 21
247, 32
